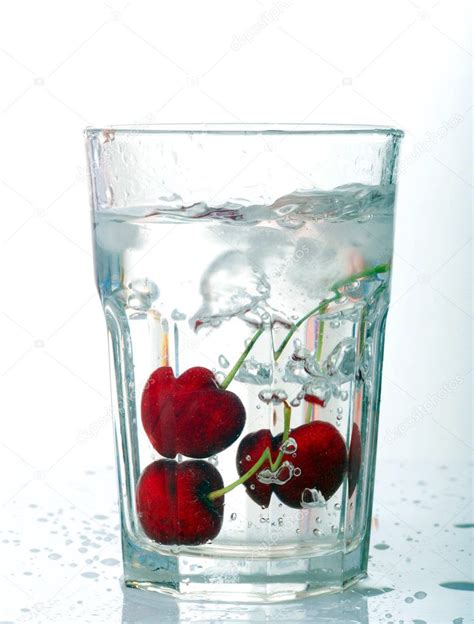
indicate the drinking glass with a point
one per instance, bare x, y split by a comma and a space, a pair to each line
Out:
244, 274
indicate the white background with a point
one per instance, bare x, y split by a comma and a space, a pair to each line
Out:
66, 65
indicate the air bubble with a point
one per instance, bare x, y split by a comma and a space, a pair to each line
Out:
279, 396
297, 472
275, 396
109, 195
248, 458
280, 477
220, 376
223, 361
142, 292
255, 372
176, 315
289, 447
311, 498
265, 396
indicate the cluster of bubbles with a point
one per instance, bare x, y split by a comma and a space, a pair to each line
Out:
286, 470
254, 372
281, 476
272, 396
321, 379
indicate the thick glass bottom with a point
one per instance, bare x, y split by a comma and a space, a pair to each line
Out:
242, 580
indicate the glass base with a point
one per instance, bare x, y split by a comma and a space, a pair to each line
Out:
242, 580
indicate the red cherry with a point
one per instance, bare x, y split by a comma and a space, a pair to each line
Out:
172, 502
355, 458
190, 414
320, 456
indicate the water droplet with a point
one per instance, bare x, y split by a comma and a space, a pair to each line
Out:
319, 519
420, 595
344, 395
223, 361
214, 460
337, 506
335, 324
179, 458
233, 516
280, 521
295, 403
317, 532
409, 600
339, 410
311, 498
333, 528
458, 585
382, 546
176, 315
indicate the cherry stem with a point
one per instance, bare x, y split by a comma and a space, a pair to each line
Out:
379, 268
266, 456
232, 373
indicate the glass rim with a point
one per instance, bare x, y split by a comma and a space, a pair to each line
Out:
240, 128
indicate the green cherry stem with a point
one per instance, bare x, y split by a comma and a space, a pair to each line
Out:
379, 268
234, 370
266, 456
320, 308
